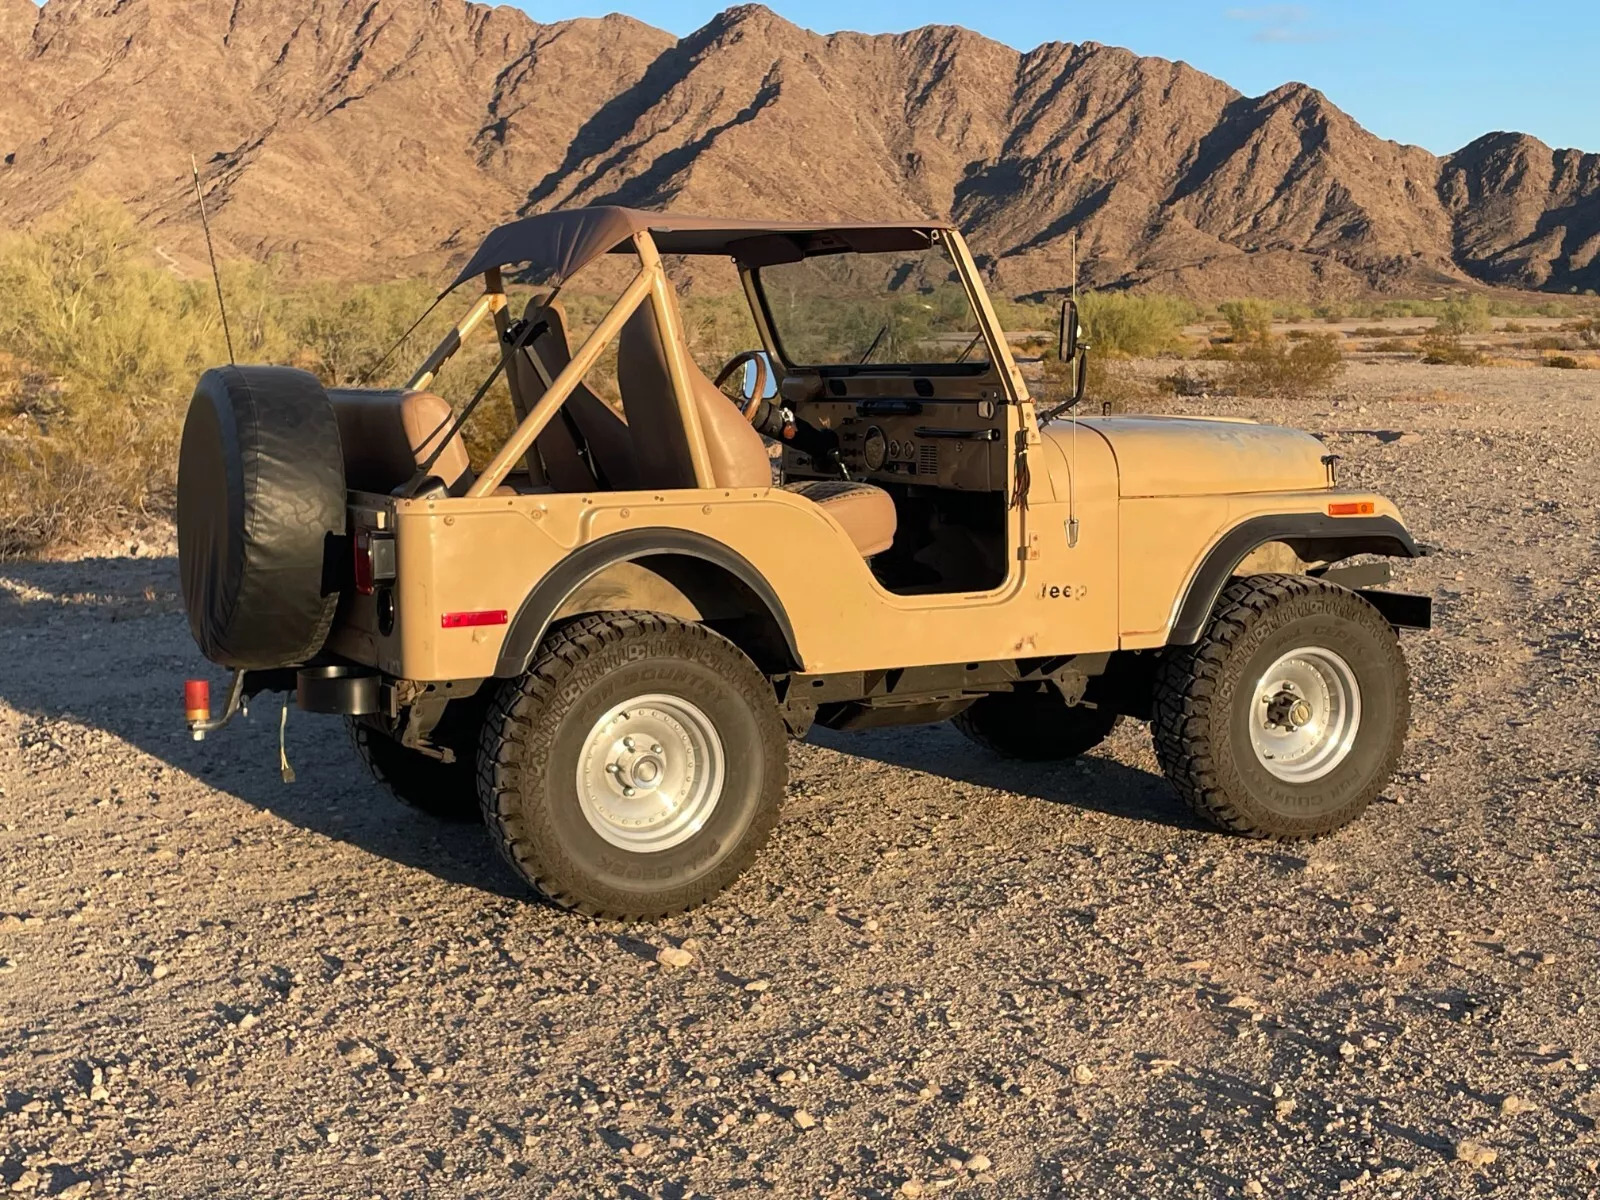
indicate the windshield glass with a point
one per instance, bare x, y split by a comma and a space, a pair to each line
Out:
839, 309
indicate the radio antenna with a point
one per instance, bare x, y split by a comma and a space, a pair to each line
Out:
211, 252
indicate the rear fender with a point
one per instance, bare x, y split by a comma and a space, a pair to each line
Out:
683, 574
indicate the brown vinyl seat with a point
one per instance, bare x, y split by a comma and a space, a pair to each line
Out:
388, 433
738, 455
866, 512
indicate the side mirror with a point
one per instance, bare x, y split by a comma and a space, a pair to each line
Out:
1071, 331
760, 380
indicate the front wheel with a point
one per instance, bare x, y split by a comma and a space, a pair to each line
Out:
636, 769
1288, 717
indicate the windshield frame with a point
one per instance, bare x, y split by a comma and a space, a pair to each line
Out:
981, 331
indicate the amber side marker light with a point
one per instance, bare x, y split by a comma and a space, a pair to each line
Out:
465, 620
1352, 508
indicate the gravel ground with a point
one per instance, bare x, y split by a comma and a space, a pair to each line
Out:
947, 973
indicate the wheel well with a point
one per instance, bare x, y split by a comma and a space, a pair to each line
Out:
670, 571
1310, 537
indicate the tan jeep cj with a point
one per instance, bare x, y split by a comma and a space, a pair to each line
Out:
604, 635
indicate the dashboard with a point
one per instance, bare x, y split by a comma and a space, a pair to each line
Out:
944, 443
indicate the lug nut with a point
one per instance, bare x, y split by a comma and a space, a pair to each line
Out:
627, 743
627, 791
654, 749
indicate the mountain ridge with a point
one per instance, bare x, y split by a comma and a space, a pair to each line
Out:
372, 138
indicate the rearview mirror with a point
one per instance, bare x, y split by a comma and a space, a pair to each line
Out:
1067, 348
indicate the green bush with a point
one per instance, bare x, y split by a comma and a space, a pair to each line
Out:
1446, 349
1273, 366
1465, 314
1123, 325
1248, 320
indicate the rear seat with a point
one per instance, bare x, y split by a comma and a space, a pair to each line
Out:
388, 434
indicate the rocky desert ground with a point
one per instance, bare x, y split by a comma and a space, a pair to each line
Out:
948, 974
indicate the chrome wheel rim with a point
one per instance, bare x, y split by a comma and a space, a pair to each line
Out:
1305, 712
650, 773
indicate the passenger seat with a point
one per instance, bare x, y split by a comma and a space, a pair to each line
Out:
738, 454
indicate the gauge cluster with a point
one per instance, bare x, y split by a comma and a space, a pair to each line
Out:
951, 444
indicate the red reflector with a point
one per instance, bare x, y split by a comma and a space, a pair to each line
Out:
461, 620
1352, 508
197, 700
361, 548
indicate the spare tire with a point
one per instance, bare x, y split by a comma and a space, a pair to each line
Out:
261, 516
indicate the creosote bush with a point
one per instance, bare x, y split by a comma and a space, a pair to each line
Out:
1446, 349
1273, 366
1120, 325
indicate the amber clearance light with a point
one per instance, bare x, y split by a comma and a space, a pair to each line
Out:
1352, 508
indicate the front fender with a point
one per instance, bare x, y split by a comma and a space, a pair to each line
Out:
1311, 536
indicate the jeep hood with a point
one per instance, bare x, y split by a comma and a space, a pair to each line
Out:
1194, 456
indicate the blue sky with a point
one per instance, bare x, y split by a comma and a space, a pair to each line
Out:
1434, 72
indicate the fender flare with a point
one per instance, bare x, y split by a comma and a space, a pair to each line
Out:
538, 609
1333, 538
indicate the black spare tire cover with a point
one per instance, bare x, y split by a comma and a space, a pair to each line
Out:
261, 515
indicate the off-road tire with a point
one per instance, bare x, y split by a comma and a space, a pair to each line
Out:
1204, 694
1034, 726
448, 791
528, 760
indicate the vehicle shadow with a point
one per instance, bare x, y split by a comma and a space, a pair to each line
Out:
103, 644
1092, 782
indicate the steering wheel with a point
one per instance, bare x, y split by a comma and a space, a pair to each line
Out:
752, 406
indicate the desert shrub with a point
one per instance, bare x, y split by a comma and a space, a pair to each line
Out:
1548, 342
1121, 325
1248, 320
1464, 314
1395, 345
1447, 349
105, 345
1113, 384
342, 332
1562, 362
1277, 367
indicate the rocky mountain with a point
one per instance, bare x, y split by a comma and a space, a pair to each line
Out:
382, 137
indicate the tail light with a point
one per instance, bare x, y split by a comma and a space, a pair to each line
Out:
374, 560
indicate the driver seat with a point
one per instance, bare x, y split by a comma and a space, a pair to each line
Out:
738, 455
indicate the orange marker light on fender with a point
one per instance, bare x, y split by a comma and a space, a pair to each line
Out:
1352, 508
197, 700
466, 620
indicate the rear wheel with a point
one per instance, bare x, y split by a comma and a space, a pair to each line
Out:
446, 790
636, 769
1288, 717
1034, 726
